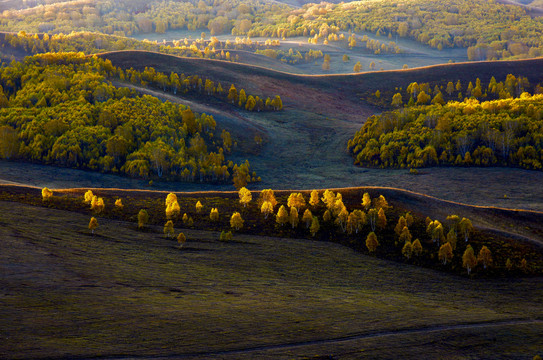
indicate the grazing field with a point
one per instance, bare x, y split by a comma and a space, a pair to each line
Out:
124, 293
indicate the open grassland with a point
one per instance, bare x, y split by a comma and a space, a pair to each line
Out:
123, 293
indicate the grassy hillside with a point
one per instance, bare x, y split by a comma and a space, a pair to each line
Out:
511, 235
125, 293
337, 96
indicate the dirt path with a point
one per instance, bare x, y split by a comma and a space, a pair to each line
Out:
274, 351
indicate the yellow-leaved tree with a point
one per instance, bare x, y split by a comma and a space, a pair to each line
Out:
296, 200
46, 194
282, 216
485, 257
168, 229
173, 210
214, 214
445, 253
97, 204
181, 239
315, 226
245, 196
407, 250
88, 196
267, 195
307, 218
170, 198
366, 201
417, 247
371, 242
93, 224
405, 235
143, 218
469, 261
236, 221
294, 217
199, 207
381, 219
266, 209
314, 198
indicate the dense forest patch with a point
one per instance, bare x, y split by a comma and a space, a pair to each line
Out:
60, 109
503, 132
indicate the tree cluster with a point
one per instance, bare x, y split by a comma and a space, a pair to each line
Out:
60, 109
504, 132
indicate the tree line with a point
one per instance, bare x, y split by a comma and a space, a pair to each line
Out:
369, 224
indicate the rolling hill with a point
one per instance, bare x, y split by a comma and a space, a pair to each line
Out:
127, 293
336, 96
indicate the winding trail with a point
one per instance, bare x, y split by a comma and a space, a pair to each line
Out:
267, 351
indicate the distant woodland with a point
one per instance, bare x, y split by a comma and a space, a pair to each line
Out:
61, 109
503, 132
488, 29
